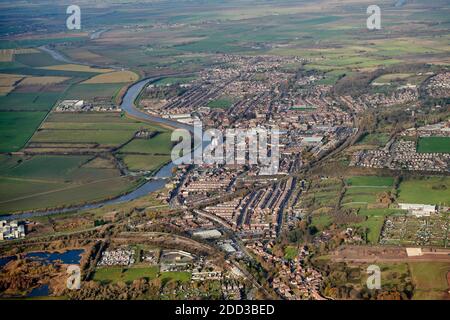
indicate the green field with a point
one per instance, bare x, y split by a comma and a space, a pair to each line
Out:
380, 212
370, 181
364, 190
430, 279
373, 225
28, 183
378, 139
144, 162
429, 190
173, 80
107, 129
89, 91
222, 103
41, 101
158, 145
36, 60
46, 167
16, 128
321, 222
116, 274
68, 195
290, 252
433, 145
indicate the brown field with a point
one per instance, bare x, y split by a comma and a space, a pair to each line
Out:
114, 77
6, 55
5, 90
81, 54
9, 80
76, 67
25, 50
46, 80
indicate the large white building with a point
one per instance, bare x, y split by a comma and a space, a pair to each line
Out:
418, 210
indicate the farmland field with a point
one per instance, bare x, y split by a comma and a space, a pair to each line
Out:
77, 68
16, 128
49, 181
89, 91
107, 129
28, 101
144, 162
433, 145
160, 144
114, 77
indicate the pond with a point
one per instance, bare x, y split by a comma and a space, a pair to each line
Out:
67, 257
42, 291
5, 260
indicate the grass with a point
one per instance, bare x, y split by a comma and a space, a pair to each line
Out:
379, 212
116, 274
430, 279
173, 80
429, 190
378, 139
52, 181
433, 145
36, 60
363, 190
290, 252
47, 167
144, 162
321, 222
106, 129
392, 275
373, 225
16, 128
222, 103
160, 144
371, 181
71, 194
181, 276
89, 91
42, 101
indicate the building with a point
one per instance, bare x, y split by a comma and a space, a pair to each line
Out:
11, 230
418, 210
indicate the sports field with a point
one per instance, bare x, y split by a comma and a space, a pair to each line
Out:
433, 145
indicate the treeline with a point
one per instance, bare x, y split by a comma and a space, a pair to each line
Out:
359, 83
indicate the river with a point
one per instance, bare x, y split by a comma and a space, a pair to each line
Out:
161, 176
